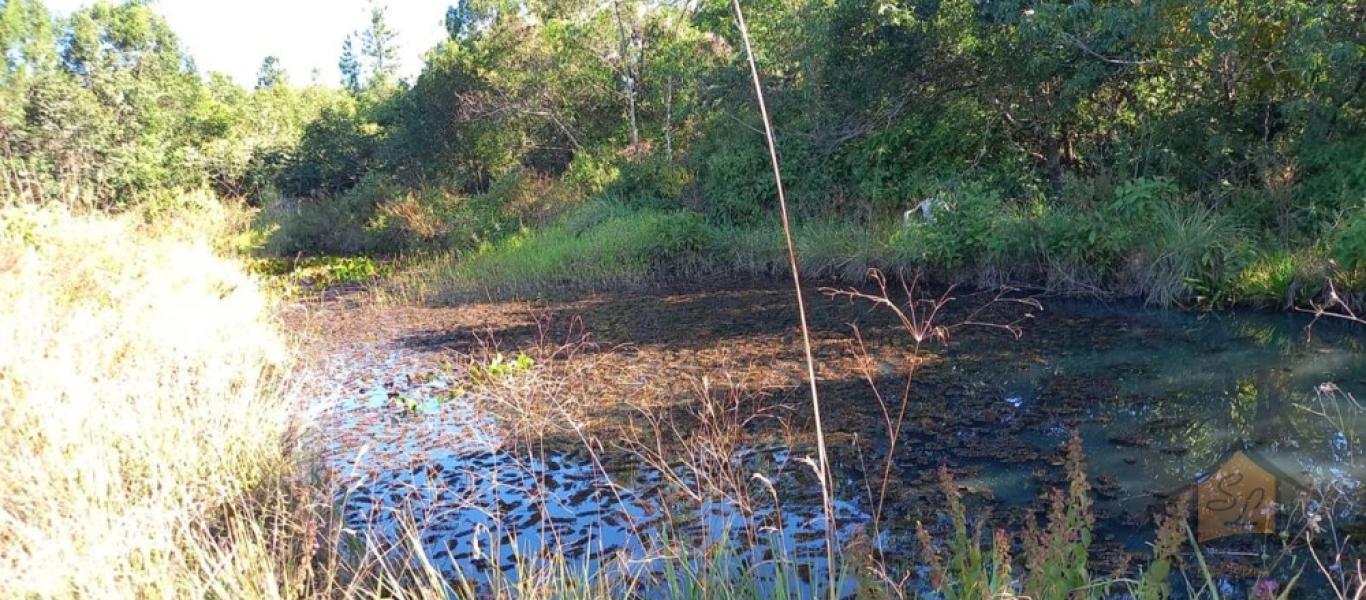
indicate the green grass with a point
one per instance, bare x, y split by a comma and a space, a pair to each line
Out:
1170, 253
317, 273
597, 246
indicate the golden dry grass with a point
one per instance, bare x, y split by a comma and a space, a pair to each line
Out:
138, 378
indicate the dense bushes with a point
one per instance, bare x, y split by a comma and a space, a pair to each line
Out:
1108, 148
1101, 163
1349, 247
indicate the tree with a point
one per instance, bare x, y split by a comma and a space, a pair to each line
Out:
458, 20
271, 74
349, 66
379, 44
27, 39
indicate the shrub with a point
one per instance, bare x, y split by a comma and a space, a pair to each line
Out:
1349, 249
335, 152
1099, 226
1335, 175
1068, 237
895, 167
409, 222
736, 182
590, 172
1127, 221
304, 226
976, 229
527, 197
651, 181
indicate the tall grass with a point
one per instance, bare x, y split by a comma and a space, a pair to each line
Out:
1196, 251
139, 372
823, 467
1175, 253
600, 245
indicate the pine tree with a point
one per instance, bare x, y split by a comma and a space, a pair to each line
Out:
379, 44
271, 74
350, 66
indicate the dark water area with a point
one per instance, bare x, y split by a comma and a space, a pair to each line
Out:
1242, 381
1159, 399
443, 473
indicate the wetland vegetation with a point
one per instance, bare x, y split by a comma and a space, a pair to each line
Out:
1080, 317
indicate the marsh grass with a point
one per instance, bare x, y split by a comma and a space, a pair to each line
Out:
1196, 253
618, 250
141, 379
1176, 254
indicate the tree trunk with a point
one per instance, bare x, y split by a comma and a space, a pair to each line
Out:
669, 120
1054, 157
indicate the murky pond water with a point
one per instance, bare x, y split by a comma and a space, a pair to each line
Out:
1162, 398
417, 461
1159, 398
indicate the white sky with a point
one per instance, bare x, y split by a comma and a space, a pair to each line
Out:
232, 36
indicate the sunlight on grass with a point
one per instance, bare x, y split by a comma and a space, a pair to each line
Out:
606, 247
139, 371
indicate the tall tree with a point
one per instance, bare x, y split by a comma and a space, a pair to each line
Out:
349, 65
27, 38
458, 19
379, 44
271, 74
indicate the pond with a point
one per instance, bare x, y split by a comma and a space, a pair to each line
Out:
1159, 399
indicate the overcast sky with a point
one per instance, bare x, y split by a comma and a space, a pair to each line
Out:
232, 36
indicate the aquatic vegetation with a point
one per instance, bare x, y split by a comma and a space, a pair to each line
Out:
313, 274
498, 367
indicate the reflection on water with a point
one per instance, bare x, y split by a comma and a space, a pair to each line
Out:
1159, 399
1185, 390
439, 470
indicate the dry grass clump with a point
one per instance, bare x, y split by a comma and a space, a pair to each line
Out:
138, 372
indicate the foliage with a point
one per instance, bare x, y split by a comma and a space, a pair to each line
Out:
969, 229
736, 182
653, 180
1349, 248
103, 109
499, 367
1162, 149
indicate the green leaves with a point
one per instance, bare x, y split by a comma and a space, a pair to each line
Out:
499, 367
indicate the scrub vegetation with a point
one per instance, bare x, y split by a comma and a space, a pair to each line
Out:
1181, 152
